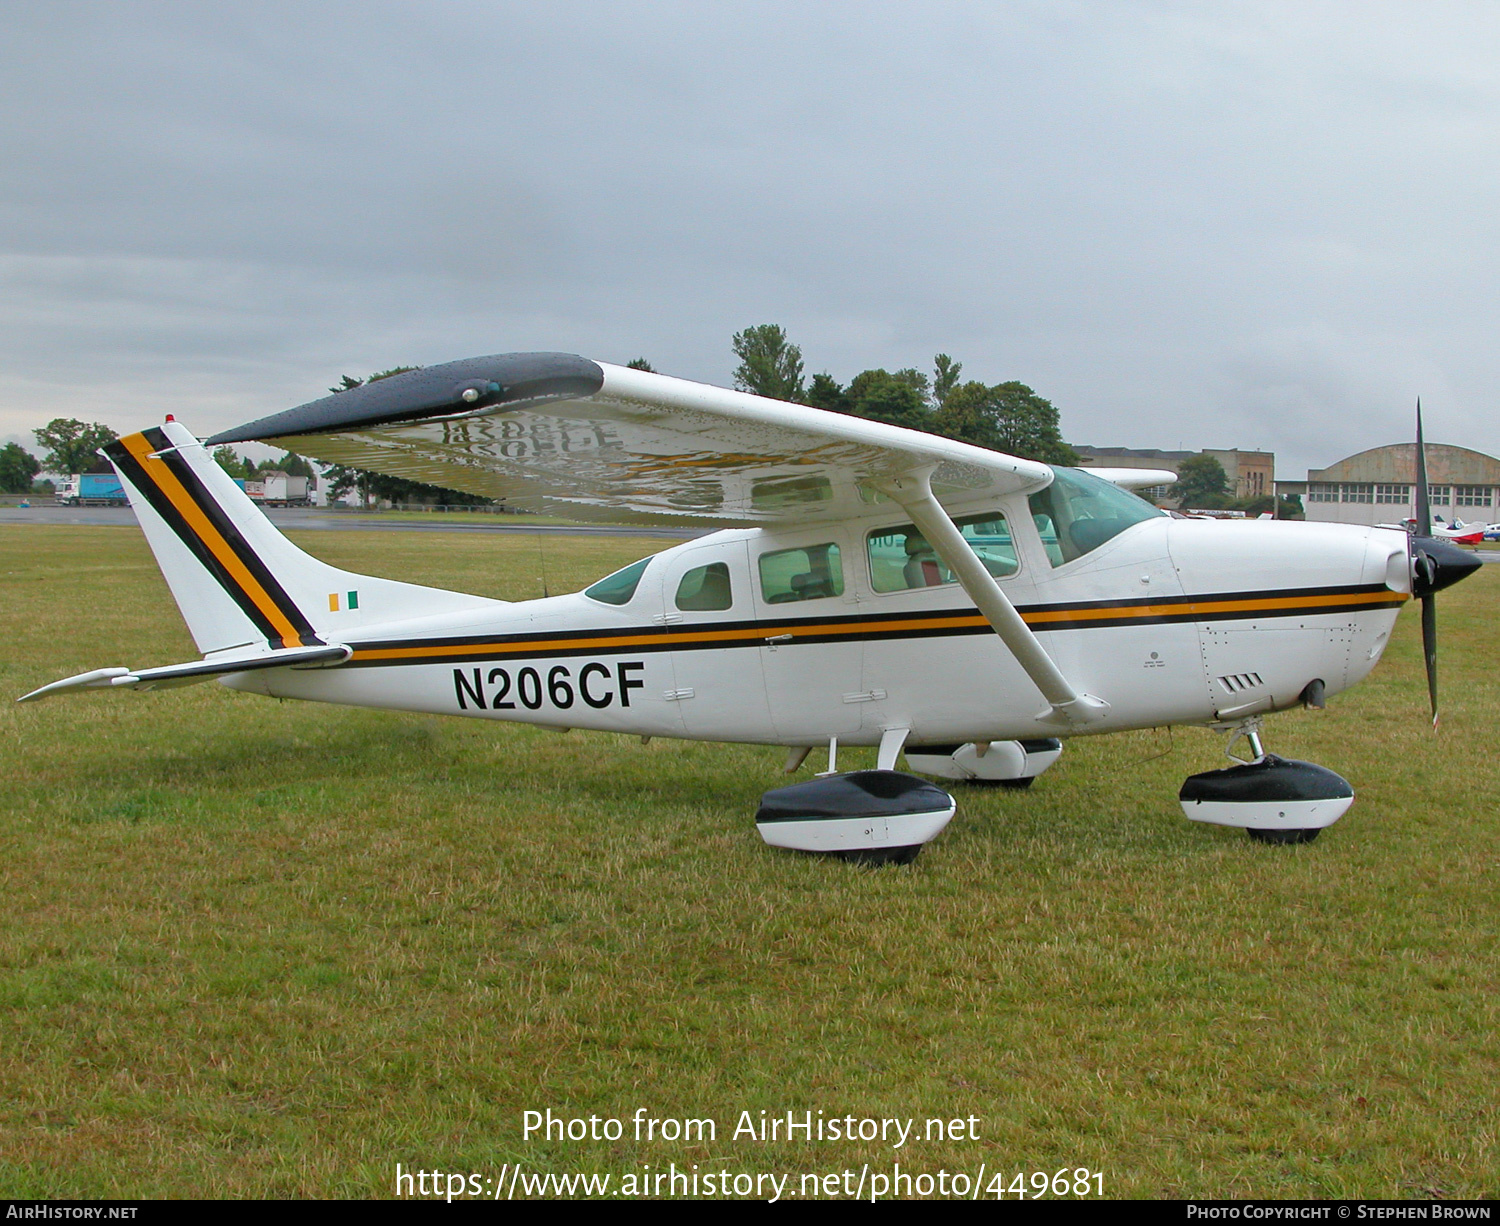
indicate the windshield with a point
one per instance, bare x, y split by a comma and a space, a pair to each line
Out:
1078, 512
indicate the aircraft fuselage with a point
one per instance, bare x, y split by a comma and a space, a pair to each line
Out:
846, 629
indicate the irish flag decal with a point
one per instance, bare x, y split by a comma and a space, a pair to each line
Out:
349, 601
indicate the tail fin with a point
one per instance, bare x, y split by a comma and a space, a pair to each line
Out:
235, 577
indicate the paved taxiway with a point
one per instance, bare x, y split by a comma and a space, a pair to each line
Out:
316, 518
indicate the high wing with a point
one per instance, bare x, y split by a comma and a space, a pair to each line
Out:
560, 433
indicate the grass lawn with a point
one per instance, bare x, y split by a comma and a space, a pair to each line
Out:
272, 949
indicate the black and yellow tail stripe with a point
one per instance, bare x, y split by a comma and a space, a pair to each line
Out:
177, 494
1077, 615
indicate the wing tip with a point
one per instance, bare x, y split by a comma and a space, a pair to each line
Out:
464, 386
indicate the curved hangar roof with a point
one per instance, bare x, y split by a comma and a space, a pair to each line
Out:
1396, 463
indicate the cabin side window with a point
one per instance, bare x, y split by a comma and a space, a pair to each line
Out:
1078, 512
902, 559
705, 589
811, 572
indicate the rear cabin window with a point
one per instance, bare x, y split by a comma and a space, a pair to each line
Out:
705, 589
1078, 512
810, 573
902, 559
619, 587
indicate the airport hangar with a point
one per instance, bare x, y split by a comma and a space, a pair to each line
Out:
1378, 486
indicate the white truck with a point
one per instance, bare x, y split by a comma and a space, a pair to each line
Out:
278, 489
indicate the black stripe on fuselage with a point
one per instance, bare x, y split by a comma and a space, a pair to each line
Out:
869, 627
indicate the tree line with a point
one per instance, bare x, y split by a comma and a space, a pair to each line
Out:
1202, 484
1008, 417
72, 446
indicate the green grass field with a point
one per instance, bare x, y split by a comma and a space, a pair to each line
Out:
271, 949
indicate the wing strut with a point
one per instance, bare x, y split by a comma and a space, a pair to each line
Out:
913, 491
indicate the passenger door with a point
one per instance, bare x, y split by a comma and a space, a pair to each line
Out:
709, 614
811, 652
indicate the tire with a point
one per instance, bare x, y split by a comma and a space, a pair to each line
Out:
882, 855
1282, 838
1013, 784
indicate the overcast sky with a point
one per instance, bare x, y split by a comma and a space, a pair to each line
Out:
1256, 225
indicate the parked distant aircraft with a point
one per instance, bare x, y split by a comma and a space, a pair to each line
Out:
871, 586
1459, 532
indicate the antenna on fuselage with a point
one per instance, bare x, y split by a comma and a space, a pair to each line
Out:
541, 553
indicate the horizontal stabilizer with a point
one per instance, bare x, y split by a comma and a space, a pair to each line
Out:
190, 673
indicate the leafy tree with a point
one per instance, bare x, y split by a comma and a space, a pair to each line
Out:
18, 469
640, 364
72, 445
1289, 506
1007, 417
349, 382
826, 392
229, 460
769, 364
917, 381
969, 413
880, 396
1201, 482
945, 373
290, 463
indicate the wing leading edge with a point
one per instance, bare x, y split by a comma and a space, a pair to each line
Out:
562, 434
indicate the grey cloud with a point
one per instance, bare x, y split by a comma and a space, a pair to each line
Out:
1132, 207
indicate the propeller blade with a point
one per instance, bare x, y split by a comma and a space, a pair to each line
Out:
1429, 651
1424, 569
1424, 506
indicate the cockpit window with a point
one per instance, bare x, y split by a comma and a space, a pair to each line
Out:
619, 587
1078, 512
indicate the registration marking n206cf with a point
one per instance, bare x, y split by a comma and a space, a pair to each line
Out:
558, 686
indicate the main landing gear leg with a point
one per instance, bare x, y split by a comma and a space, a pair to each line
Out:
1275, 800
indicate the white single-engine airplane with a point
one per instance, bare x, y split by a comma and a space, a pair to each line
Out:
872, 586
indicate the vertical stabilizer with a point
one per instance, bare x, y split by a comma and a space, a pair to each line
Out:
236, 578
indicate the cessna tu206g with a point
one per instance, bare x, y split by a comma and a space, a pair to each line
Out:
871, 586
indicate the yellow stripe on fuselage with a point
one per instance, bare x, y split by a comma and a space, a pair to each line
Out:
1205, 609
1208, 609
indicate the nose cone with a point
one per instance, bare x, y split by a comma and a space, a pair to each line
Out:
1438, 564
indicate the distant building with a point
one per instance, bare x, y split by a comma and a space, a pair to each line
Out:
1251, 473
1379, 486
